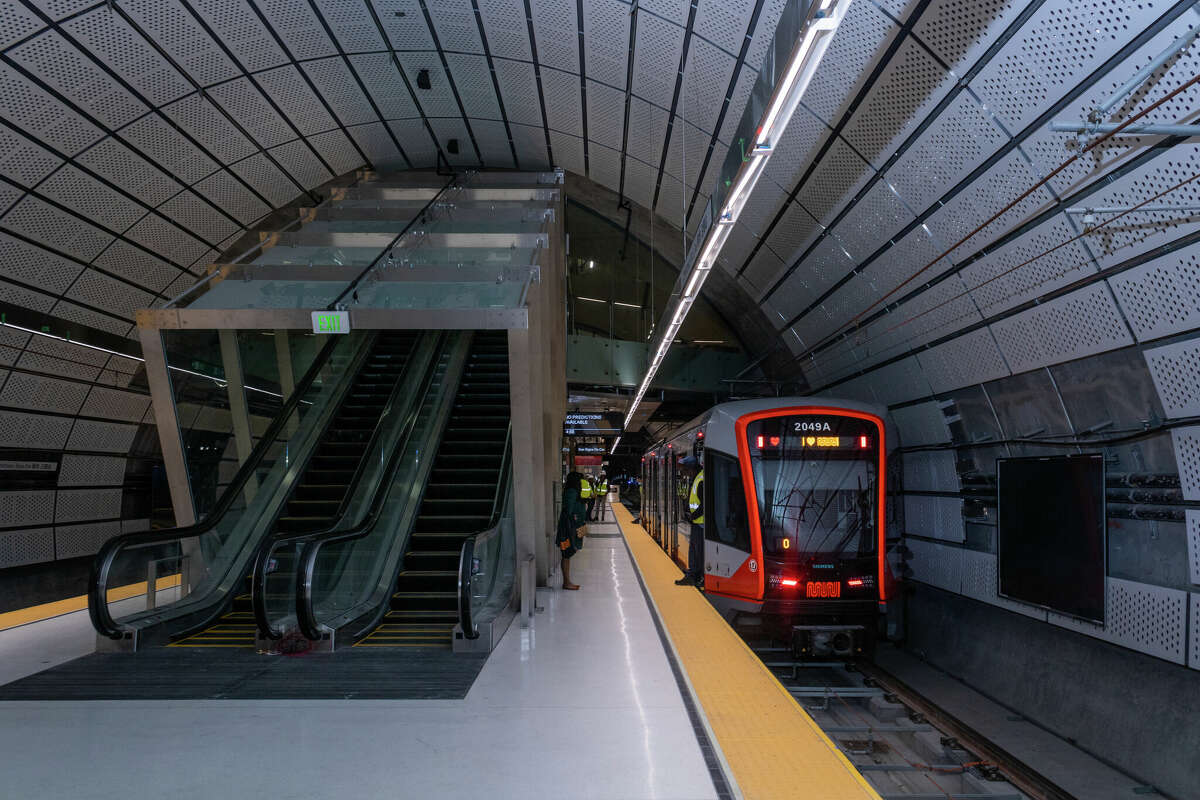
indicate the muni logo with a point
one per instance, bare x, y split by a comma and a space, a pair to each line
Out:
814, 427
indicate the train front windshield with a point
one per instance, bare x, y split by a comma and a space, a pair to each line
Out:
815, 477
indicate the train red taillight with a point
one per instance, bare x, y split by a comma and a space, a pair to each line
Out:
762, 442
863, 444
854, 582
791, 583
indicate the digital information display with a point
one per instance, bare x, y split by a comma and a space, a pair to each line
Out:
592, 423
331, 321
1051, 532
827, 442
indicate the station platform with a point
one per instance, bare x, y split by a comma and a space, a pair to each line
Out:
630, 688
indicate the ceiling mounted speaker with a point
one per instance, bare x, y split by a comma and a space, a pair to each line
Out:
423, 79
452, 147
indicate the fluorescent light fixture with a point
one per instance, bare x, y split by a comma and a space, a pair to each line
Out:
626, 305
614, 447
822, 22
590, 299
708, 341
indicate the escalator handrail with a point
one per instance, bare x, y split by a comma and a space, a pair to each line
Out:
313, 542
262, 560
466, 557
102, 620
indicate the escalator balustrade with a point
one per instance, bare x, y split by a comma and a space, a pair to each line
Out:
324, 487
458, 502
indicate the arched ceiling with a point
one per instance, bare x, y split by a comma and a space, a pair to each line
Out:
140, 138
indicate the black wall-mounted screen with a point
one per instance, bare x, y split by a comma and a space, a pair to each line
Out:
1051, 532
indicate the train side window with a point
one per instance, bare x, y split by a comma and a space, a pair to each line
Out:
725, 517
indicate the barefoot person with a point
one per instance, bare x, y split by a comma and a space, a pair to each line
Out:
571, 525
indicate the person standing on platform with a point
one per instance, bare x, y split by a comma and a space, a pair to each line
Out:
571, 525
695, 568
601, 498
588, 494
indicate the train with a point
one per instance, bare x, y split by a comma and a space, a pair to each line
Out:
790, 497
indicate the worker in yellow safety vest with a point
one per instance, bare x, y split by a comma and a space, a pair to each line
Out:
601, 498
588, 496
695, 569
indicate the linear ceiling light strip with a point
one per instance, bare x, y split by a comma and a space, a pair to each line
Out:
818, 22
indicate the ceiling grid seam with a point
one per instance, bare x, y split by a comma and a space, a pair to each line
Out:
154, 111
634, 12
1062, 291
450, 79
312, 87
1067, 98
491, 62
395, 59
62, 298
834, 136
537, 74
187, 76
683, 56
1152, 152
248, 75
738, 66
587, 169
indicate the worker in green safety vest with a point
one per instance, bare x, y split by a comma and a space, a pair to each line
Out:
588, 495
601, 498
695, 568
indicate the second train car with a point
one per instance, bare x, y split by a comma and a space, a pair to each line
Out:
789, 495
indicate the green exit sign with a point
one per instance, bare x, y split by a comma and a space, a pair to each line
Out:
331, 321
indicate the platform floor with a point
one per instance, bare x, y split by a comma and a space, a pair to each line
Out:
773, 748
582, 705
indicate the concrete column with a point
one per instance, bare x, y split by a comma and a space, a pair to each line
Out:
287, 376
231, 362
527, 444
162, 397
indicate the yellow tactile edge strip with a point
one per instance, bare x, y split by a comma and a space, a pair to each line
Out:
772, 747
45, 611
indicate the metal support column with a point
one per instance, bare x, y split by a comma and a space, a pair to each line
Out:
231, 361
167, 422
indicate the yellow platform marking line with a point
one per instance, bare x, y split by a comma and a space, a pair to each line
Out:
38, 613
772, 746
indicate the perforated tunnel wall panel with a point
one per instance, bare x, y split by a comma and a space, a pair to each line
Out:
936, 564
73, 541
1076, 325
1193, 541
33, 546
1175, 369
1187, 459
980, 582
934, 517
931, 472
1194, 633
1149, 619
1162, 296
923, 423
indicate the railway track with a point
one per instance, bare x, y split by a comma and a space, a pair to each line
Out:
905, 745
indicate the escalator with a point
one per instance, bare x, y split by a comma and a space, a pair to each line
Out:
459, 500
300, 477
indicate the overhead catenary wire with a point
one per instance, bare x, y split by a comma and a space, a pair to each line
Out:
853, 321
